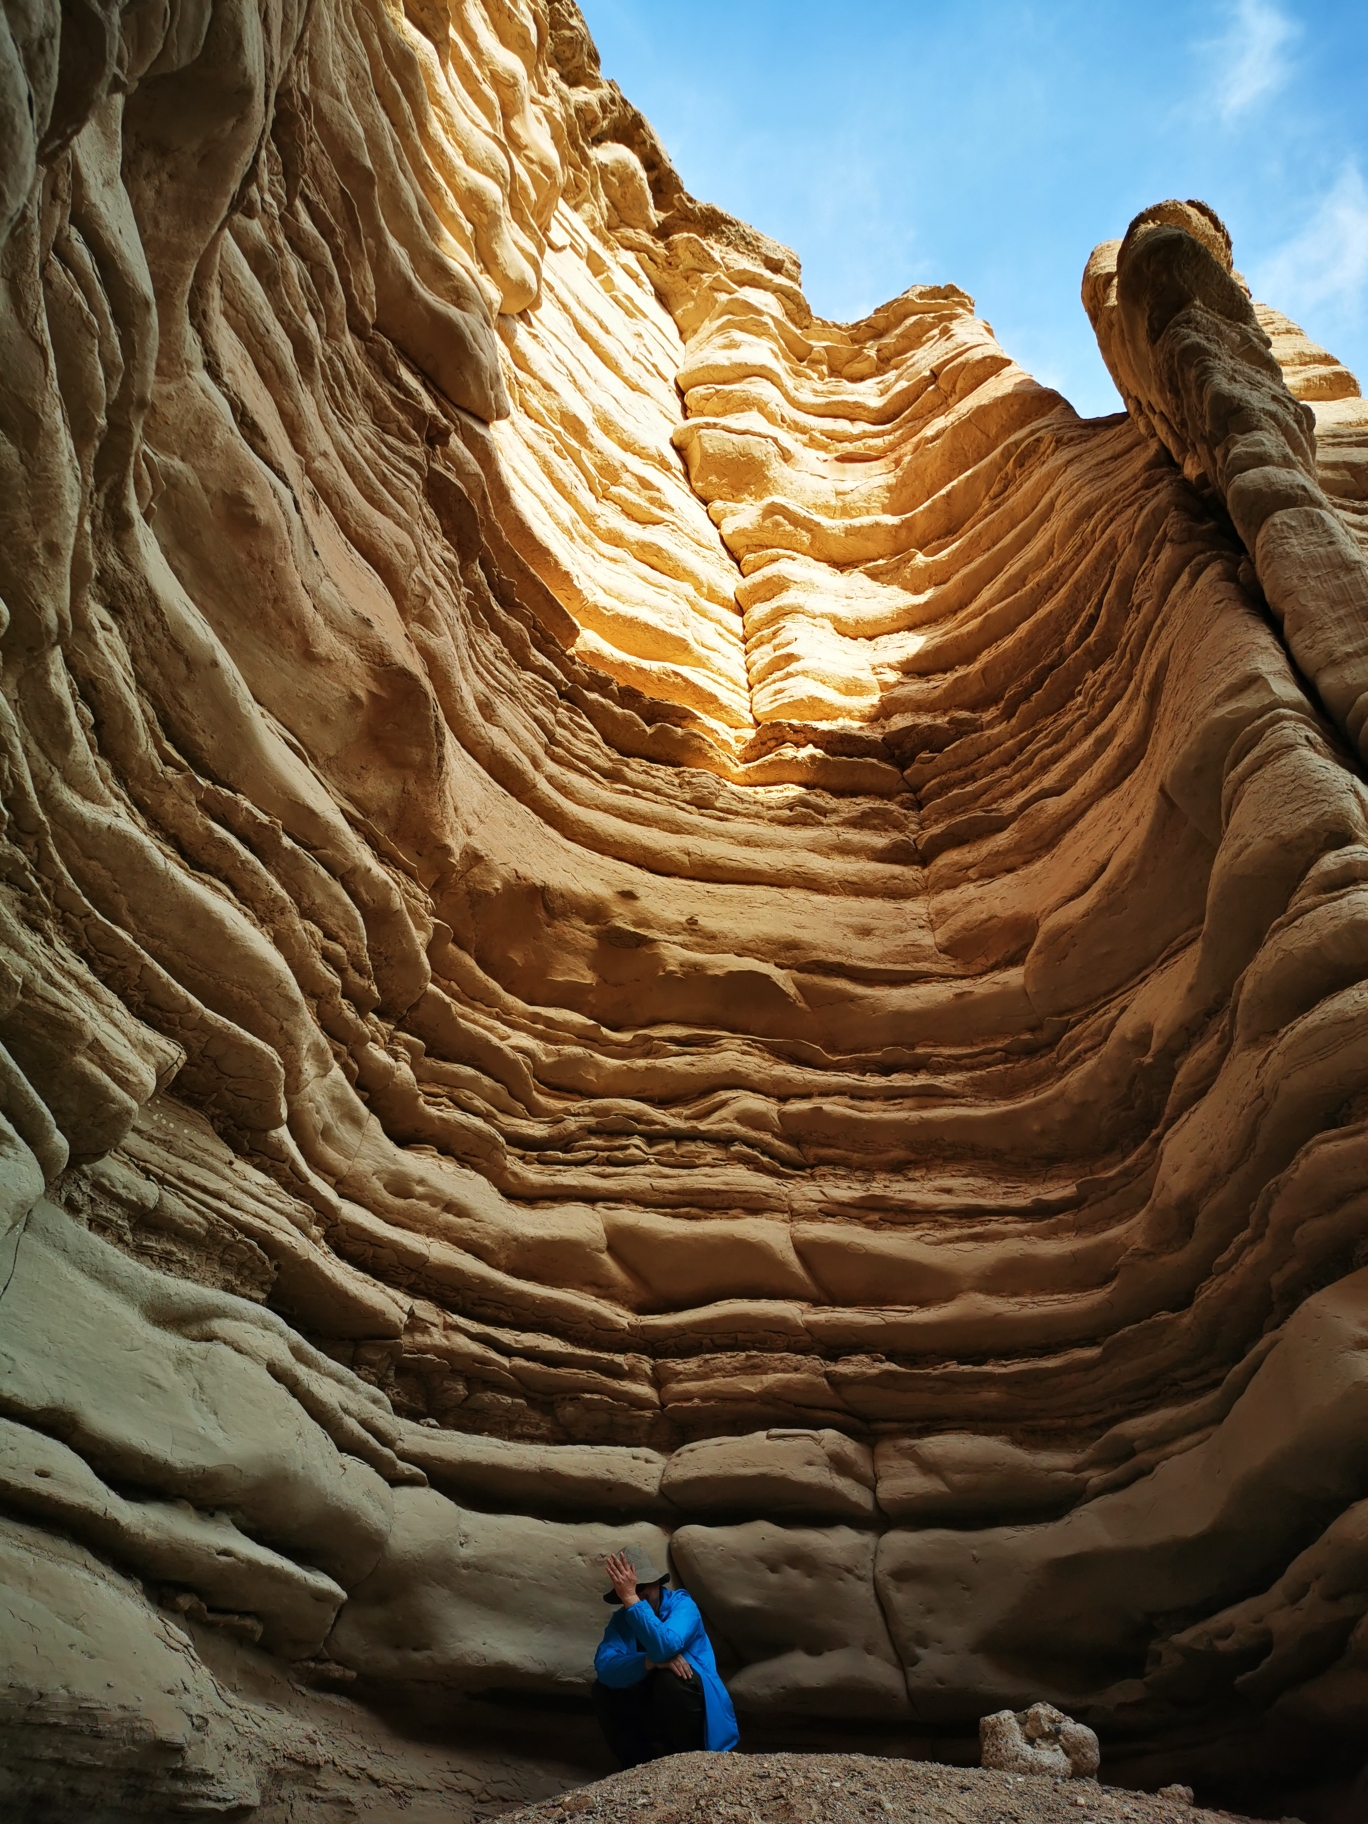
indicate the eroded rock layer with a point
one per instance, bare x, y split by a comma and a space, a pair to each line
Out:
627, 914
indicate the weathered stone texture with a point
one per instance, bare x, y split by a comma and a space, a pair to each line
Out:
1041, 1740
623, 911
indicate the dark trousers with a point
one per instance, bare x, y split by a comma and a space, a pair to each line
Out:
662, 1715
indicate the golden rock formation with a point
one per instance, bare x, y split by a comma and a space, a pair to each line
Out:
629, 915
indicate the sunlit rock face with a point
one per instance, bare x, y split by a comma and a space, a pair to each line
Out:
630, 916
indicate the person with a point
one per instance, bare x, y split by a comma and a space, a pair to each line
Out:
657, 1691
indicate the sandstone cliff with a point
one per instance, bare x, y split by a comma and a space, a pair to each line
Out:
627, 914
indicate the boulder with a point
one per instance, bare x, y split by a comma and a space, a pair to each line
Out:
1038, 1740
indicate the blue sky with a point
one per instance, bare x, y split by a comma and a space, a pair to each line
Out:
994, 142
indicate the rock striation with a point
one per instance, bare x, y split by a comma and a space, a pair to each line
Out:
630, 916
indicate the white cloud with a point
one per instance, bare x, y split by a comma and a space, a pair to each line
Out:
1252, 58
1325, 266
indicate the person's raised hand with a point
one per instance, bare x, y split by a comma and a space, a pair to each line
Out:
680, 1666
622, 1576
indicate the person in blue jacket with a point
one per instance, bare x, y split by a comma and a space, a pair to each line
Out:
657, 1691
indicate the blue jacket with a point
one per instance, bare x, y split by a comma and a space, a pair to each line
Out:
637, 1634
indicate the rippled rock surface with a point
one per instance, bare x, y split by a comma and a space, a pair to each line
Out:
627, 915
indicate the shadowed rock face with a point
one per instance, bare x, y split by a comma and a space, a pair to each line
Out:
630, 916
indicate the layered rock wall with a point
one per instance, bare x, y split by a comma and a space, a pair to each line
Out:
627, 914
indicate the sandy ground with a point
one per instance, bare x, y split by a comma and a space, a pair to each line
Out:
848, 1789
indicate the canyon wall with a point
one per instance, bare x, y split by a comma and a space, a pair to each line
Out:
627, 915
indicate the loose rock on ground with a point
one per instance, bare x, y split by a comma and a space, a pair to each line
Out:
848, 1789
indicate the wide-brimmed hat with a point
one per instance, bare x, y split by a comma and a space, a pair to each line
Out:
647, 1571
